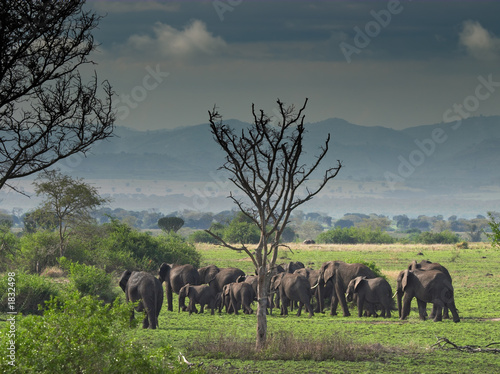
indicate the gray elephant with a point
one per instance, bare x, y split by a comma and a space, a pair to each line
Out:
225, 276
371, 293
148, 291
292, 266
427, 265
292, 287
175, 277
237, 295
207, 273
198, 294
427, 286
252, 280
339, 274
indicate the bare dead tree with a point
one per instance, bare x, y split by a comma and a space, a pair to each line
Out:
47, 112
264, 162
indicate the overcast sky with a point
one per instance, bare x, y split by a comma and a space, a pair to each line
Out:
377, 63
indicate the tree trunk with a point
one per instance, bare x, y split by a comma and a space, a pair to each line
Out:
262, 291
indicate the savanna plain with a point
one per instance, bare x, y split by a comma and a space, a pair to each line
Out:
216, 343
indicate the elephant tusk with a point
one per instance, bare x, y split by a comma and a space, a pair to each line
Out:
316, 285
395, 293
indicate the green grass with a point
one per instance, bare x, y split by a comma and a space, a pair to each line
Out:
403, 346
380, 345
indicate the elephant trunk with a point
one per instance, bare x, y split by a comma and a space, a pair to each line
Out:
399, 295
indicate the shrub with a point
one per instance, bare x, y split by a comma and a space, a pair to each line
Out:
354, 235
89, 280
139, 250
31, 291
202, 237
82, 335
494, 224
38, 251
444, 237
242, 232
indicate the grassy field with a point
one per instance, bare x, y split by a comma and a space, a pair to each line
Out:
387, 345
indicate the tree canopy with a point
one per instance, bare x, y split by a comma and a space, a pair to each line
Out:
47, 111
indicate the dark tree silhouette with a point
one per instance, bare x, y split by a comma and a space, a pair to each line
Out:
170, 223
264, 162
47, 112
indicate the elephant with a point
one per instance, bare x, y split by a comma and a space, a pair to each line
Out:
339, 274
427, 286
145, 288
177, 276
427, 265
373, 292
225, 276
198, 294
207, 273
292, 266
237, 295
293, 287
253, 280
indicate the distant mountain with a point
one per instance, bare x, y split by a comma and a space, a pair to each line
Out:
446, 155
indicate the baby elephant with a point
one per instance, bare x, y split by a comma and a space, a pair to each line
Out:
371, 293
203, 295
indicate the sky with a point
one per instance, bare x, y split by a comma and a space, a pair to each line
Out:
389, 63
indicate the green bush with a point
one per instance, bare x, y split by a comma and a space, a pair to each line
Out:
89, 280
9, 246
127, 248
83, 335
242, 232
32, 290
201, 236
444, 237
38, 250
354, 235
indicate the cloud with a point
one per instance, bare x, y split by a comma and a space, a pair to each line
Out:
193, 41
478, 42
134, 6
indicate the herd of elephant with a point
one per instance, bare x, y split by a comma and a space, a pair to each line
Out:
293, 284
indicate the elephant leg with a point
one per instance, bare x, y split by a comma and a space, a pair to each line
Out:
309, 308
406, 306
446, 314
145, 321
361, 301
202, 307
299, 309
433, 312
422, 305
439, 311
341, 297
334, 304
284, 306
453, 310
170, 304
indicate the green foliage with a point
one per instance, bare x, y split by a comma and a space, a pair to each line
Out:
82, 335
38, 250
354, 235
427, 237
170, 223
494, 224
31, 291
89, 280
9, 246
241, 232
147, 252
202, 236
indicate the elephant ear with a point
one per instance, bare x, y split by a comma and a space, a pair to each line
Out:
124, 279
163, 272
413, 265
330, 270
404, 281
357, 282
